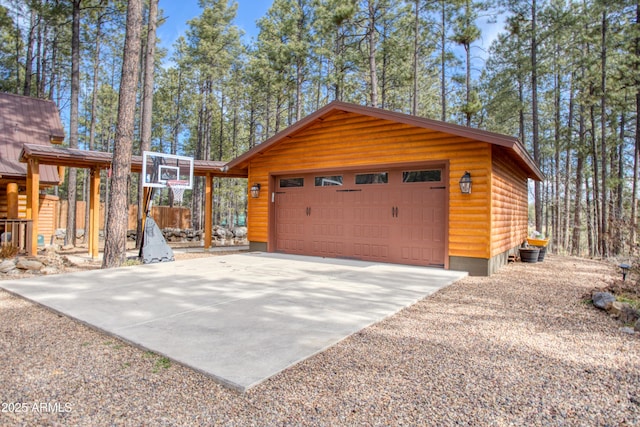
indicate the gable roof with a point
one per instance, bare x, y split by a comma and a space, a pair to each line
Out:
514, 145
27, 120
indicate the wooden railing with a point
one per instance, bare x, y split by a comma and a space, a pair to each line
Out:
16, 232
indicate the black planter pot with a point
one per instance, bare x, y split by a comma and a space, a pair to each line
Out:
543, 252
529, 254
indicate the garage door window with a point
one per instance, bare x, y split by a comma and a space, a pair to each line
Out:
372, 178
432, 175
291, 182
328, 181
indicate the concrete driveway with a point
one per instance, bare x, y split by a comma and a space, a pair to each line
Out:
240, 318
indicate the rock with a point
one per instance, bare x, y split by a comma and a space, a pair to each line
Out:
627, 330
29, 264
602, 299
637, 326
240, 232
615, 309
628, 314
50, 251
218, 231
7, 265
49, 270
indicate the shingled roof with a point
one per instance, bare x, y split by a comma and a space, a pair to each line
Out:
25, 120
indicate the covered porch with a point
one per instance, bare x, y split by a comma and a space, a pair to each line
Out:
35, 155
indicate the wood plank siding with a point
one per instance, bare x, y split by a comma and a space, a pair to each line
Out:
47, 213
509, 203
346, 140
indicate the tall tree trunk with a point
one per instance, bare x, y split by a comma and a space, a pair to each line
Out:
147, 106
70, 235
590, 221
604, 229
39, 58
617, 215
558, 232
521, 113
371, 38
116, 233
467, 82
252, 125
596, 179
53, 76
534, 112
416, 47
221, 130
568, 169
636, 151
577, 203
300, 61
94, 106
443, 61
28, 63
176, 118
577, 207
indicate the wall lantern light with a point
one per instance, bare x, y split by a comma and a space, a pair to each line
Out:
465, 183
255, 190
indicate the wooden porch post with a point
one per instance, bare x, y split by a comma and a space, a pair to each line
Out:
94, 212
208, 209
12, 200
33, 194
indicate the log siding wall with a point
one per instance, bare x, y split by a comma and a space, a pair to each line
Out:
509, 204
347, 140
47, 218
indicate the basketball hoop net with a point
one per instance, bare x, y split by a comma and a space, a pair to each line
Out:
177, 188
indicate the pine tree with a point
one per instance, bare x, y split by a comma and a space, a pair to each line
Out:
116, 226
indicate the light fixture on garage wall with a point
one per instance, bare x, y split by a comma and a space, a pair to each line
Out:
465, 183
255, 190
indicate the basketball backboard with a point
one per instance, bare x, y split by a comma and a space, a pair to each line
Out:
162, 170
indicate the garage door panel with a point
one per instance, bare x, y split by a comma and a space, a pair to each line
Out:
392, 221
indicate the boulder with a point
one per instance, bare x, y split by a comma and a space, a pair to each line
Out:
7, 265
240, 232
627, 330
637, 326
602, 299
29, 264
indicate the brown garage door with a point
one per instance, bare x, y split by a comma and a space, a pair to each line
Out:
396, 215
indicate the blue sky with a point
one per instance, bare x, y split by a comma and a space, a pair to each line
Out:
178, 12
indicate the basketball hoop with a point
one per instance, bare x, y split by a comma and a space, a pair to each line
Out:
177, 188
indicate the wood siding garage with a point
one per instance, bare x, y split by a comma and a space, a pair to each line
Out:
412, 223
388, 215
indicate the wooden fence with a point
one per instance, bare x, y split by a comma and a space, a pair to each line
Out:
164, 216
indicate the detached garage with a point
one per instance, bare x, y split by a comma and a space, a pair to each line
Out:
357, 182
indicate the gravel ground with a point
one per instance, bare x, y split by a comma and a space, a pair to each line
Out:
518, 348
